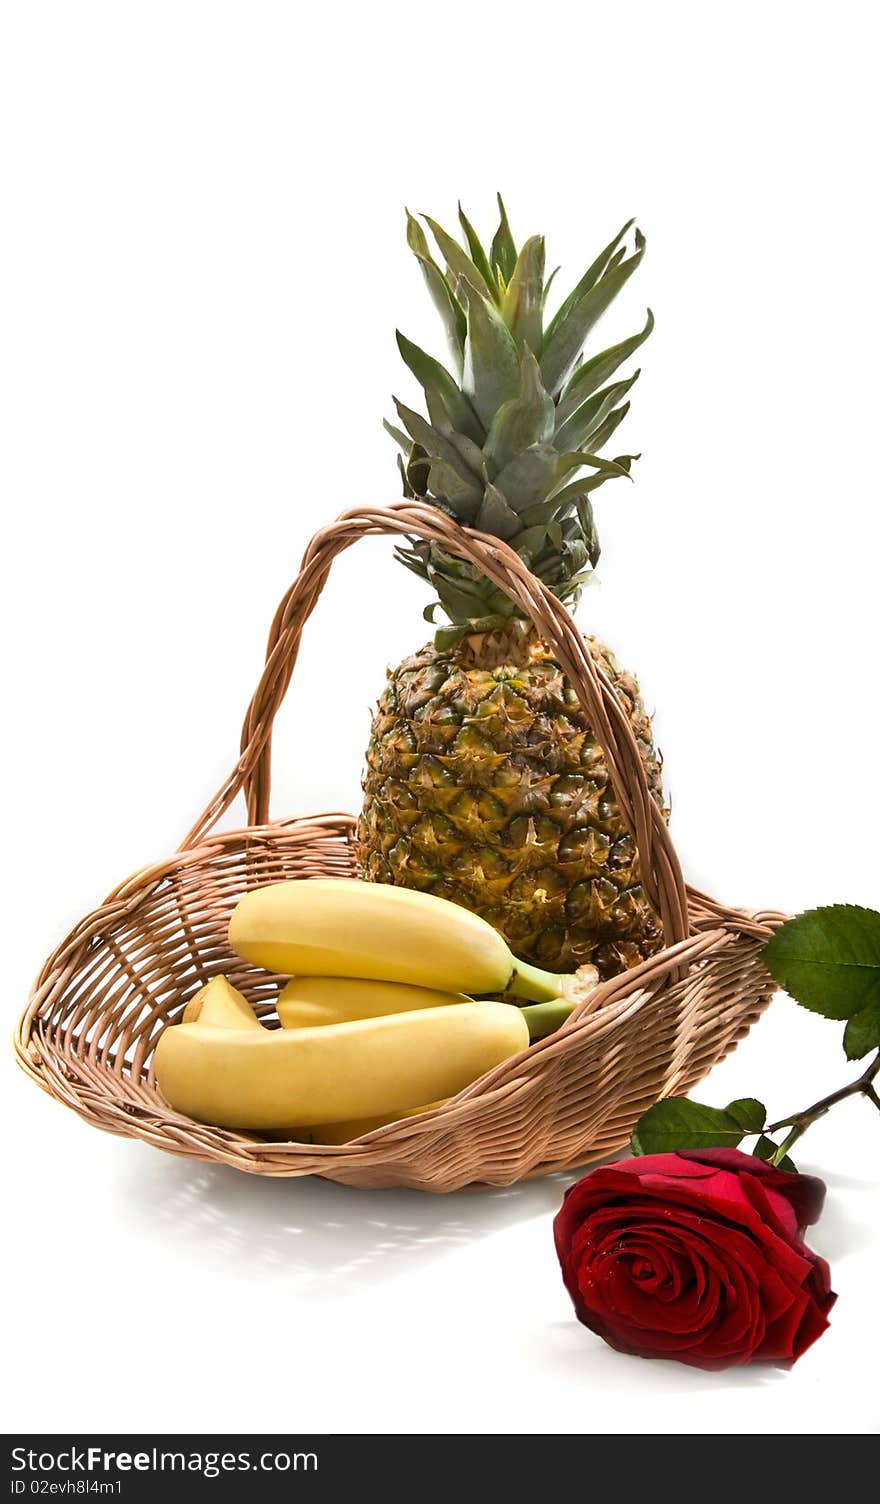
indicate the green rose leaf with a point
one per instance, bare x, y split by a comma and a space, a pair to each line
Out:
767, 1150
748, 1112
862, 1033
828, 960
679, 1123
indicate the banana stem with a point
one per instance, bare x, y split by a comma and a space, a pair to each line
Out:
546, 1018
534, 984
538, 986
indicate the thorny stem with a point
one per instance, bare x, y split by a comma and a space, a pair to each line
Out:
799, 1122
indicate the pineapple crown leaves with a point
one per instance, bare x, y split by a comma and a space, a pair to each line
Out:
512, 438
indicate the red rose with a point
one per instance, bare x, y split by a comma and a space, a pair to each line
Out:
696, 1256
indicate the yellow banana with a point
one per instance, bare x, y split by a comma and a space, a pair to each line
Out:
340, 927
314, 1001
220, 1004
307, 1002
271, 1081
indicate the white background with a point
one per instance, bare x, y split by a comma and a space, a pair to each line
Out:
203, 264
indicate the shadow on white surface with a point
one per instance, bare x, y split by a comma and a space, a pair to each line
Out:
848, 1224
260, 1227
565, 1353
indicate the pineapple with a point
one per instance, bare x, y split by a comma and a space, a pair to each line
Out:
484, 783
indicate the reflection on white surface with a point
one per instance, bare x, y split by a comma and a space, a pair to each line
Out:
312, 1229
325, 1244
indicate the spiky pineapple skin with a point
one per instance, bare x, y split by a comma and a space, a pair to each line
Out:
484, 784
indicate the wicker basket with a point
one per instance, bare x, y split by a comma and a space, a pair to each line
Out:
128, 969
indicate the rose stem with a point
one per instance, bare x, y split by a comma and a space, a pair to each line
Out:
799, 1122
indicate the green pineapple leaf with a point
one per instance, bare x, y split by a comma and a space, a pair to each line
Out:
491, 363
587, 525
461, 599
441, 293
413, 559
528, 475
549, 283
471, 453
571, 494
495, 516
588, 280
439, 448
446, 484
562, 346
580, 459
532, 540
590, 376
602, 434
615, 261
527, 419
523, 306
511, 435
408, 491
458, 261
418, 470
398, 436
564, 500
540, 514
431, 439
435, 379
503, 250
588, 418
478, 255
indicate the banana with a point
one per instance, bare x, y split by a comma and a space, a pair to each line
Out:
340, 927
309, 1001
220, 1004
270, 1081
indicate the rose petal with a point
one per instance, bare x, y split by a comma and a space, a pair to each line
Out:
804, 1193
695, 1256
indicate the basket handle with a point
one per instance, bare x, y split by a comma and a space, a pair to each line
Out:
661, 873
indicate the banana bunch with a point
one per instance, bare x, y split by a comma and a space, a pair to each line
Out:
377, 1020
